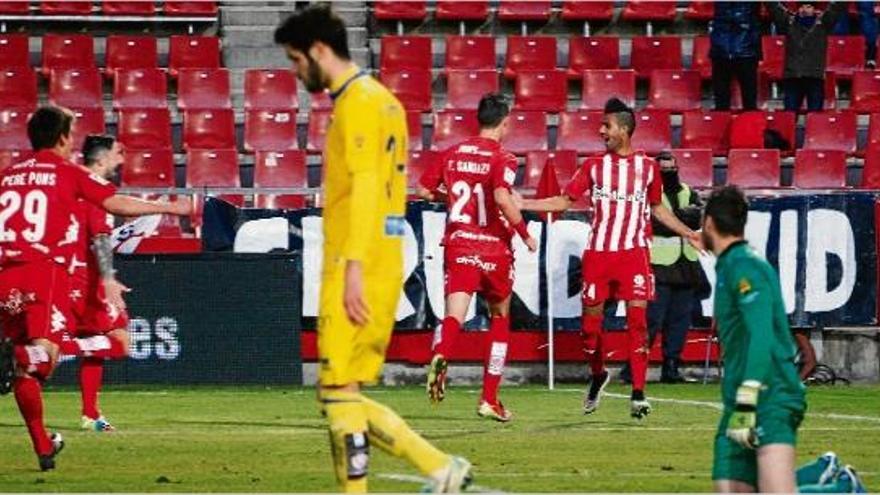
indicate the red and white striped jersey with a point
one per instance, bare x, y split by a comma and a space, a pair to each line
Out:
622, 190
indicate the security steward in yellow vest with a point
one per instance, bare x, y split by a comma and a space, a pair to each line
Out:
677, 273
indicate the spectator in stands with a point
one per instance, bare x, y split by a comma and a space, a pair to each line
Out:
677, 273
735, 49
806, 40
869, 27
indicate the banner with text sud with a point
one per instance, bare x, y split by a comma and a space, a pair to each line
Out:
823, 246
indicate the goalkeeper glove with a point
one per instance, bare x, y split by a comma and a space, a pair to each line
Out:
742, 423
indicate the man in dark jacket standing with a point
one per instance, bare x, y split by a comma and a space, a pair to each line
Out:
806, 39
735, 50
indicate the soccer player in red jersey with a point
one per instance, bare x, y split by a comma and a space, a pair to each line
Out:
38, 235
477, 176
625, 188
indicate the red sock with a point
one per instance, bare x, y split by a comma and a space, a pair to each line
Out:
495, 356
448, 333
637, 332
591, 331
34, 360
28, 395
91, 376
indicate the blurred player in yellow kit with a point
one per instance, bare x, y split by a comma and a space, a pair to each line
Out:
362, 273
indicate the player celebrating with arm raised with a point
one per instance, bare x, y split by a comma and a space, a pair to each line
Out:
478, 176
762, 393
362, 274
625, 188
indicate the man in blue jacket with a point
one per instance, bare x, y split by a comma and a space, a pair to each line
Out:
735, 50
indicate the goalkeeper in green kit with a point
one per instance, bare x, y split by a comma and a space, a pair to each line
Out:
762, 393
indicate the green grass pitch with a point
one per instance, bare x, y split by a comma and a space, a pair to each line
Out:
269, 439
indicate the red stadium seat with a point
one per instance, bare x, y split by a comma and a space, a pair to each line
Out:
653, 132
18, 88
270, 89
866, 91
564, 161
817, 169
412, 88
145, 128
529, 53
13, 129
280, 169
406, 53
14, 51
208, 128
67, 51
676, 90
753, 168
88, 121
66, 7
784, 123
527, 10
845, 55
650, 53
140, 88
872, 142
269, 130
392, 10
772, 57
579, 131
214, 168
465, 88
131, 52
871, 170
203, 88
148, 168
470, 53
592, 53
320, 101
130, 7
700, 60
706, 130
193, 52
76, 88
319, 122
831, 131
452, 127
419, 162
600, 85
198, 8
11, 157
414, 128
527, 132
694, 166
575, 10
700, 11
15, 7
541, 90
648, 11
456, 10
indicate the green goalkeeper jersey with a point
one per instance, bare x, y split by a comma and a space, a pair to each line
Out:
756, 342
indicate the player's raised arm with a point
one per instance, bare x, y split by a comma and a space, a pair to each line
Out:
128, 206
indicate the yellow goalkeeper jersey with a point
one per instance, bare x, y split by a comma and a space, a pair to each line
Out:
365, 177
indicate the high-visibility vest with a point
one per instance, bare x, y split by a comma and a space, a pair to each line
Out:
665, 251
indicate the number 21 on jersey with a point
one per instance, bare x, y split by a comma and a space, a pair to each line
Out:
463, 193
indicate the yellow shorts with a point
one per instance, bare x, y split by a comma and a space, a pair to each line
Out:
349, 354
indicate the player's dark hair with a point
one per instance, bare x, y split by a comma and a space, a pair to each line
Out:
492, 110
729, 209
624, 114
94, 146
313, 24
47, 125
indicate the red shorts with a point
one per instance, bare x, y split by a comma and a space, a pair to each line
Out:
34, 299
489, 274
91, 312
619, 275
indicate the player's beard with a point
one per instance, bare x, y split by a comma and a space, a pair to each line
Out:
316, 81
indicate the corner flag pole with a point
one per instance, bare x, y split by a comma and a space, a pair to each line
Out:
551, 348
